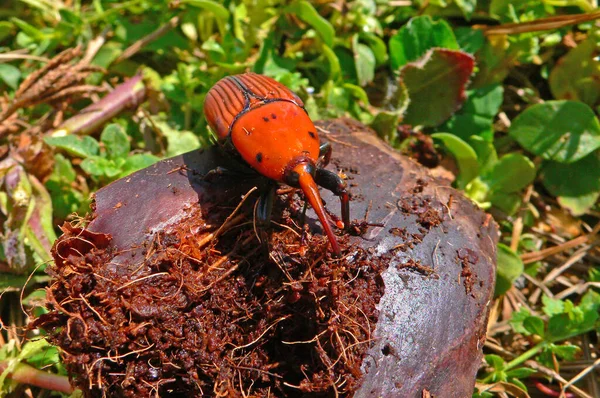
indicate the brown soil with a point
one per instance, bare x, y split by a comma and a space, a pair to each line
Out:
213, 317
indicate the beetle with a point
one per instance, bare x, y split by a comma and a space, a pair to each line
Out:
264, 123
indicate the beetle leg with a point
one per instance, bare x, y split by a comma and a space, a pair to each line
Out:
325, 153
217, 172
331, 181
264, 207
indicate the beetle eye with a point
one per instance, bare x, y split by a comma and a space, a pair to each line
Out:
293, 179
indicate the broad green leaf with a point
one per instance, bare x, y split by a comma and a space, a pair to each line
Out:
465, 157
469, 40
466, 7
476, 116
364, 61
576, 185
306, 12
512, 173
417, 37
486, 153
137, 162
29, 29
217, 9
495, 361
534, 325
576, 76
509, 268
563, 131
377, 45
10, 75
509, 203
579, 205
436, 86
6, 30
115, 141
100, 167
82, 147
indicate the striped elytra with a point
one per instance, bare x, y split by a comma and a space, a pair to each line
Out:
234, 95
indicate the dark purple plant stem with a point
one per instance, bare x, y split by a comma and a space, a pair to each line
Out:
27, 374
128, 95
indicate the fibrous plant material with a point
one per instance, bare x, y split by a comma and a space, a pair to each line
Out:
169, 291
220, 317
60, 79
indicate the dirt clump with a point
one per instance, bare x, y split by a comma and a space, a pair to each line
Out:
194, 315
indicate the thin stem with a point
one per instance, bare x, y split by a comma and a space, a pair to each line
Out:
526, 355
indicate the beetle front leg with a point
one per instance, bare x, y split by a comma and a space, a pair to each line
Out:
264, 208
331, 181
325, 153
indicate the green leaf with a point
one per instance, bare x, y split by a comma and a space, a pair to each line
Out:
520, 373
115, 141
29, 29
364, 61
10, 75
486, 153
534, 325
436, 86
33, 347
566, 352
509, 203
377, 45
510, 267
552, 306
82, 147
137, 162
495, 361
306, 12
217, 9
467, 7
563, 131
576, 76
476, 116
469, 40
417, 37
6, 30
335, 70
576, 185
465, 157
512, 173
517, 318
100, 167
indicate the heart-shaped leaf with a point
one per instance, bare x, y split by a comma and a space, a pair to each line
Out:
436, 85
563, 131
417, 37
576, 76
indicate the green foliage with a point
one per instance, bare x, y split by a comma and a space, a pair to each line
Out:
511, 111
510, 267
417, 37
563, 131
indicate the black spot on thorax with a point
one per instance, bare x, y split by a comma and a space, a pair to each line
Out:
312, 134
259, 157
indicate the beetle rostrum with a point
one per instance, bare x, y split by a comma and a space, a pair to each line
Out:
267, 126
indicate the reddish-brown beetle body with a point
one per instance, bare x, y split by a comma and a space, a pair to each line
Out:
268, 127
